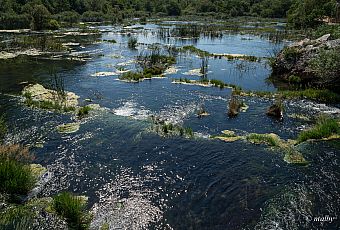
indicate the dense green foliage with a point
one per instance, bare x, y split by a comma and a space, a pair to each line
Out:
72, 208
309, 13
38, 13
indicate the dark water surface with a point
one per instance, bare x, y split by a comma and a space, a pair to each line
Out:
136, 179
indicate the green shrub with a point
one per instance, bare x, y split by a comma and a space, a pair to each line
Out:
324, 128
294, 79
291, 54
53, 24
326, 67
73, 209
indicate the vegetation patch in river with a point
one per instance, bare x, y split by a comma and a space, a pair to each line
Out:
205, 83
202, 53
59, 100
68, 128
325, 128
290, 154
73, 209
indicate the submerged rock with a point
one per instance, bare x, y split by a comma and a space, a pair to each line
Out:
293, 62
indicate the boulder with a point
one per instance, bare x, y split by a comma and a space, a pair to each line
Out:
275, 111
294, 60
39, 93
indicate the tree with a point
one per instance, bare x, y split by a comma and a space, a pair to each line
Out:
40, 17
173, 9
308, 13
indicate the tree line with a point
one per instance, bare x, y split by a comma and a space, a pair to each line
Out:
46, 14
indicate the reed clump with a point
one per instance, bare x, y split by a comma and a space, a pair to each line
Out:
73, 209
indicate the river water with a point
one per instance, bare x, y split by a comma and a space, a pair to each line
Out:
136, 179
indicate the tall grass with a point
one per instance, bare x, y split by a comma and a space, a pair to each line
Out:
17, 218
73, 209
324, 128
16, 176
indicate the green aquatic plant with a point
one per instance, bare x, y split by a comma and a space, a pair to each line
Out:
324, 128
73, 209
83, 111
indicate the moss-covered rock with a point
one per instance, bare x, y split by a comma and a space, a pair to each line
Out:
68, 128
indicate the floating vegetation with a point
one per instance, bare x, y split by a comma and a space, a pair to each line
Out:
325, 128
73, 209
68, 128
